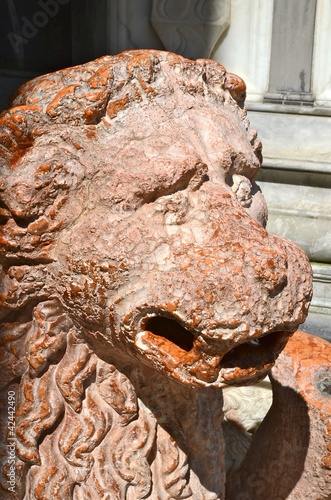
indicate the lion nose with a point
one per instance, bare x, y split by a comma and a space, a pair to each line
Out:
164, 340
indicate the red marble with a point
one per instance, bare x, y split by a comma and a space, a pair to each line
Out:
137, 276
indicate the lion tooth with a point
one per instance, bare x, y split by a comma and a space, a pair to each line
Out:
254, 342
139, 341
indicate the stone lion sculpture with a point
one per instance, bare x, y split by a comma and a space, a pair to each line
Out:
137, 276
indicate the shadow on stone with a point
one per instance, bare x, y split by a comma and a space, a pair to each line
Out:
275, 460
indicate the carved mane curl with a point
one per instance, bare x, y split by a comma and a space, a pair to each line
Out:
82, 431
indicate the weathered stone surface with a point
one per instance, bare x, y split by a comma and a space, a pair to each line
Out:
137, 276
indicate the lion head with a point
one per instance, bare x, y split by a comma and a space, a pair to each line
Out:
133, 236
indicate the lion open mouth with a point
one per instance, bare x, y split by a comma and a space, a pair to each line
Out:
166, 342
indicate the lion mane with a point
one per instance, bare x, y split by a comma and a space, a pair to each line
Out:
81, 430
87, 425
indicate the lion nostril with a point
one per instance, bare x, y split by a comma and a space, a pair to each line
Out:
170, 330
248, 353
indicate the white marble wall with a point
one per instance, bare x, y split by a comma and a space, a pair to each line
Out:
322, 56
190, 28
246, 46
